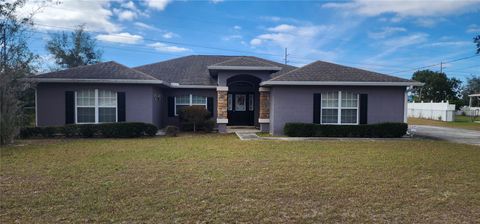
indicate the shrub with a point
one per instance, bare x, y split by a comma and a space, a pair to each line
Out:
87, 130
381, 130
126, 130
151, 130
171, 131
71, 130
107, 130
29, 132
48, 132
193, 115
209, 125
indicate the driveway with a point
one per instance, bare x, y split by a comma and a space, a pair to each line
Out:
450, 134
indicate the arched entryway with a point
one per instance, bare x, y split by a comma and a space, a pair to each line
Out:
242, 100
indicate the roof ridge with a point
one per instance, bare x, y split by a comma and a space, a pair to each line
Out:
273, 79
143, 73
346, 66
78, 67
251, 58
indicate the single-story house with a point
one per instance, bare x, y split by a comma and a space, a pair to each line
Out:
237, 90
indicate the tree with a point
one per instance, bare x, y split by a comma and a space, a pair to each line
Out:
437, 87
74, 49
16, 63
472, 86
477, 41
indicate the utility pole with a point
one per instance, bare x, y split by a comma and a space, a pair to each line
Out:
441, 67
286, 56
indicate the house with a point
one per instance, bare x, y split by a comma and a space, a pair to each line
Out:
237, 90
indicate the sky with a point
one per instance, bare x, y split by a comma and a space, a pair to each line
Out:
392, 37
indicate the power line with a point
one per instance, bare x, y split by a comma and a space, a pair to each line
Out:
248, 52
441, 64
221, 49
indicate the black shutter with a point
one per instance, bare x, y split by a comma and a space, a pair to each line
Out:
171, 106
210, 105
121, 112
363, 108
69, 107
317, 100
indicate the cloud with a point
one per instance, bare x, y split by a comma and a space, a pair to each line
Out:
406, 8
395, 44
129, 5
157, 4
286, 35
145, 26
215, 1
282, 28
302, 41
449, 44
124, 38
386, 32
237, 27
96, 15
161, 47
427, 22
126, 15
232, 37
473, 28
168, 35
256, 41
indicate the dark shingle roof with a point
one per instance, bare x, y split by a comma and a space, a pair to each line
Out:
104, 70
329, 72
244, 61
193, 69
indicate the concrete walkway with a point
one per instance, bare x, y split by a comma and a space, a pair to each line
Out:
458, 135
247, 135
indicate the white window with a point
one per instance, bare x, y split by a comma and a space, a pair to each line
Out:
339, 108
95, 106
189, 100
250, 102
229, 102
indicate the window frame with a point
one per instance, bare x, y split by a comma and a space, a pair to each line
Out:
96, 107
190, 102
339, 109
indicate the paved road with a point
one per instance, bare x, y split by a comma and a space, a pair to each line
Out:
450, 134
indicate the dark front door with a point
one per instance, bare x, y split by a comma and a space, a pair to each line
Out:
241, 108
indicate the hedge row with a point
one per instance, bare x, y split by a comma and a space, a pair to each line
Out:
381, 130
106, 130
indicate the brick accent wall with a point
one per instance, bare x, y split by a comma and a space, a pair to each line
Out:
264, 105
222, 104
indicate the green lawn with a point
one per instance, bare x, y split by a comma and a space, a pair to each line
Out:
460, 122
218, 178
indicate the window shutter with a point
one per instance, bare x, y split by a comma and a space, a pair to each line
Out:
363, 108
210, 105
121, 111
317, 100
171, 106
69, 107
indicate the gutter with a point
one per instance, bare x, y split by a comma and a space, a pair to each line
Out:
337, 83
120, 81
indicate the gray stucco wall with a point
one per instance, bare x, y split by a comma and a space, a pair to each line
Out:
166, 120
51, 101
295, 104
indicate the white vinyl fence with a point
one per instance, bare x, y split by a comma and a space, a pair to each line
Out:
434, 111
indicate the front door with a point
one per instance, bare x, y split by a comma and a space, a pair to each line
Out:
241, 108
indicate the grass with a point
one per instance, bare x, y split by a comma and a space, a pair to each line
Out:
460, 122
218, 178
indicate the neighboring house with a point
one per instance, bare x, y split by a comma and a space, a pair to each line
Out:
237, 90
